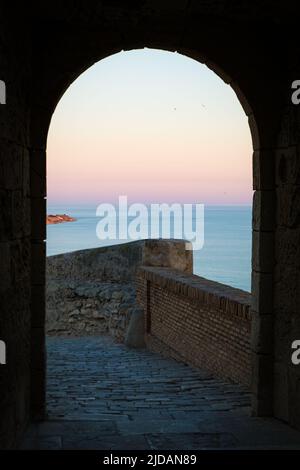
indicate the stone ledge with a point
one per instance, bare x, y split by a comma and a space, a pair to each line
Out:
198, 289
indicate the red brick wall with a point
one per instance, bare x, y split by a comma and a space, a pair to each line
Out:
201, 322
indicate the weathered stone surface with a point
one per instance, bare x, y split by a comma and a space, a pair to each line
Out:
281, 399
143, 401
15, 296
126, 384
264, 210
262, 251
38, 216
262, 381
168, 253
262, 292
287, 272
92, 291
76, 308
264, 170
119, 263
201, 322
5, 279
262, 333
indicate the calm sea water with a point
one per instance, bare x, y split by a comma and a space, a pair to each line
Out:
225, 256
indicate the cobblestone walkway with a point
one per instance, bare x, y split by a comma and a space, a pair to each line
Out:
102, 395
95, 378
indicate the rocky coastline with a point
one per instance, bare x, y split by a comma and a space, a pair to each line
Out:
58, 219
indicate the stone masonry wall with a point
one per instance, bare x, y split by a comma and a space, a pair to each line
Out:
286, 282
89, 308
92, 291
44, 47
200, 322
15, 251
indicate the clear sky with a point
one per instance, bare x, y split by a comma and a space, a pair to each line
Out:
153, 125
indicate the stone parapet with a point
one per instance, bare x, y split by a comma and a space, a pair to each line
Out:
201, 322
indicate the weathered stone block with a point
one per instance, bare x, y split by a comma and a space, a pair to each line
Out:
26, 173
281, 391
254, 132
17, 213
264, 206
37, 184
20, 259
10, 166
38, 306
263, 251
38, 218
264, 170
293, 397
38, 349
262, 292
262, 333
26, 227
38, 162
38, 261
241, 97
168, 253
5, 278
262, 384
6, 216
287, 166
38, 395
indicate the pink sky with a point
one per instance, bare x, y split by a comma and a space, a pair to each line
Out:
152, 125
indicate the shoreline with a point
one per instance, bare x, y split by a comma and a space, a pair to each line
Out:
58, 219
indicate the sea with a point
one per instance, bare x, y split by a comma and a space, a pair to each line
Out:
225, 256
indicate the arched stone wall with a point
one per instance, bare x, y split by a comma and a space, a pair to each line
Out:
253, 46
75, 44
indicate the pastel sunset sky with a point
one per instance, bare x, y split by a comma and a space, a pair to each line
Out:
153, 125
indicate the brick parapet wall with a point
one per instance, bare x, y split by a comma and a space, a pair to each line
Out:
200, 322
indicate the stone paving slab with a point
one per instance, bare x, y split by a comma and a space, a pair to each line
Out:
90, 377
70, 438
102, 395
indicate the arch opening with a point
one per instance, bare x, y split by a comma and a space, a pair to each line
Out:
151, 143
61, 85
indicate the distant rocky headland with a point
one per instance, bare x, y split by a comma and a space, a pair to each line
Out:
59, 218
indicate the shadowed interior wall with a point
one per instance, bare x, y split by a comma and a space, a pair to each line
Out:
15, 71
287, 251
43, 48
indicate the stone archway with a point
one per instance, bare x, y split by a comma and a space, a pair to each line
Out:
77, 39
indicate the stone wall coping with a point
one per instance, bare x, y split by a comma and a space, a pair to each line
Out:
198, 289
